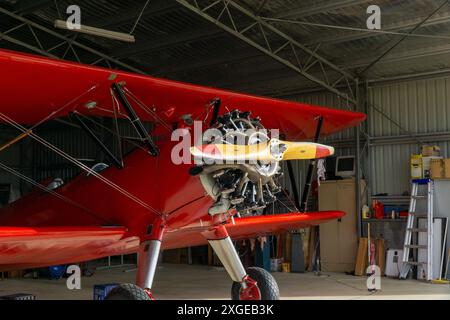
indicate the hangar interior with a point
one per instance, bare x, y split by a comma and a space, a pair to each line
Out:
313, 52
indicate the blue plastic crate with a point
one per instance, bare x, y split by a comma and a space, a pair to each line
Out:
102, 290
57, 272
53, 272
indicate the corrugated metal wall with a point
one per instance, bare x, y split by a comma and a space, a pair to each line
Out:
321, 99
395, 110
10, 157
419, 107
78, 144
70, 140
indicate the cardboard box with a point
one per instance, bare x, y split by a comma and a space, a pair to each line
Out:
447, 168
430, 151
16, 274
421, 167
416, 166
426, 165
436, 168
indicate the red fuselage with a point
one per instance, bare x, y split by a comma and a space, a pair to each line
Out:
158, 182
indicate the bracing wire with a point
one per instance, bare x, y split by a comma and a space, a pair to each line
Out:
147, 110
78, 163
29, 132
46, 189
109, 130
139, 17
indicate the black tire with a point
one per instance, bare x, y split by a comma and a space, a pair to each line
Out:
267, 285
127, 291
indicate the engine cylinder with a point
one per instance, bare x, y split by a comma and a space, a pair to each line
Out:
246, 187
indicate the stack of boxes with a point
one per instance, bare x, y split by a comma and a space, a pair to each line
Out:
440, 169
430, 164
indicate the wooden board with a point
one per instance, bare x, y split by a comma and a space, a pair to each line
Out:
380, 254
361, 258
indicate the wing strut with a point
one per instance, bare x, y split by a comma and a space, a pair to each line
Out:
312, 165
152, 148
293, 184
215, 103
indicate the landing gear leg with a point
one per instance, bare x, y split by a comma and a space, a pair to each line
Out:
251, 284
147, 262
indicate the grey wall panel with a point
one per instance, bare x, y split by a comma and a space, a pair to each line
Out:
419, 106
300, 171
11, 158
326, 99
390, 169
407, 107
76, 143
70, 140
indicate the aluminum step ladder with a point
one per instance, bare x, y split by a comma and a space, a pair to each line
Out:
412, 228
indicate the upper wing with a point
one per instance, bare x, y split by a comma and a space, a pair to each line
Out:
250, 227
35, 88
23, 247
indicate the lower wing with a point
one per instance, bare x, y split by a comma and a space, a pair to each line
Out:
26, 247
250, 227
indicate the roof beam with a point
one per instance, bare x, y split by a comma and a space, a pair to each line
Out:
403, 38
165, 42
155, 7
202, 62
28, 46
254, 80
324, 6
264, 84
268, 33
260, 74
24, 7
228, 57
400, 57
70, 43
352, 36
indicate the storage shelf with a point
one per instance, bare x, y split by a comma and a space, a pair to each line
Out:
393, 200
384, 220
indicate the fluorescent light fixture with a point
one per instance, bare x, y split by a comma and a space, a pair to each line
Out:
97, 32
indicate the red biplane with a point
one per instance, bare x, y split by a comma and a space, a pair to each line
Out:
146, 202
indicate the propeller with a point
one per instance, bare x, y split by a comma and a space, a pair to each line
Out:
272, 150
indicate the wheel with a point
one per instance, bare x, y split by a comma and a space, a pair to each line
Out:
261, 285
127, 291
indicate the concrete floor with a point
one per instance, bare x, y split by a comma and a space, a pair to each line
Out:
202, 282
